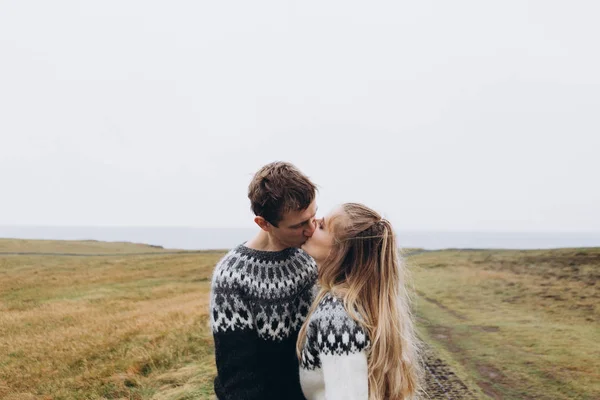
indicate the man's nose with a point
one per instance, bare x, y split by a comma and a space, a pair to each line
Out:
308, 232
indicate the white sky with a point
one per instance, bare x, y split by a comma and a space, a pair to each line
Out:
462, 115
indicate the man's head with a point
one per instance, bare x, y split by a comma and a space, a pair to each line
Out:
283, 200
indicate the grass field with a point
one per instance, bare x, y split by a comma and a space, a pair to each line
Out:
131, 326
515, 324
520, 324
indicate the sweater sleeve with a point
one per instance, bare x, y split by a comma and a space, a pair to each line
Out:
239, 375
346, 376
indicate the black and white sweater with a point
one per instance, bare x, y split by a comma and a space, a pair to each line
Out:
334, 356
259, 301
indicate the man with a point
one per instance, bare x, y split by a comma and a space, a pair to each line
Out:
262, 291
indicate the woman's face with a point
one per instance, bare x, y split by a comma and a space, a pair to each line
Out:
319, 245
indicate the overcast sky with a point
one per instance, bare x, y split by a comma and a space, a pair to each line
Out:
462, 115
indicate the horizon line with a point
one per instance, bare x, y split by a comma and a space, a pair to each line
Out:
412, 230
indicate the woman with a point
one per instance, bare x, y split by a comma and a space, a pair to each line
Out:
358, 341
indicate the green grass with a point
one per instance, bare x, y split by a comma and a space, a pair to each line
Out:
522, 324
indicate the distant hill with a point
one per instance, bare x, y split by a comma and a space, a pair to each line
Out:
76, 247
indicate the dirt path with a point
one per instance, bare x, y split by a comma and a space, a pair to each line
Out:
441, 383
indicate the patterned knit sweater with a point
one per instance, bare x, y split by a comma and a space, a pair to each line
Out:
334, 356
259, 301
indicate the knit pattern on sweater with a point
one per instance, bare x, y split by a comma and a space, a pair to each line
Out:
270, 292
331, 331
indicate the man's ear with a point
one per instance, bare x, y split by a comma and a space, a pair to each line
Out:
263, 223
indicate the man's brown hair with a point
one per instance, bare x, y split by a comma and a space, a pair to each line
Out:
277, 188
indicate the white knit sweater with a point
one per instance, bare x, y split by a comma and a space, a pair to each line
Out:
334, 361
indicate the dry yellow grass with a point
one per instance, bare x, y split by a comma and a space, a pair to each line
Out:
105, 327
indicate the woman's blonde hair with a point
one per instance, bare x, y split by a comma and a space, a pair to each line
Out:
363, 269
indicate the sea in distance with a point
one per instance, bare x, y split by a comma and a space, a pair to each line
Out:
190, 238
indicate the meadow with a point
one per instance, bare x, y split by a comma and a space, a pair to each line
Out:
126, 321
517, 324
116, 326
